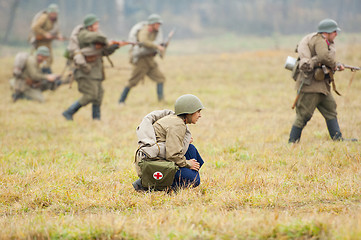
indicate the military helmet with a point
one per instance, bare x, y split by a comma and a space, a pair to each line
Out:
328, 26
187, 104
53, 8
154, 18
90, 19
43, 51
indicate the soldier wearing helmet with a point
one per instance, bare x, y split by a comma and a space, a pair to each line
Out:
171, 131
29, 82
44, 30
318, 51
149, 35
90, 71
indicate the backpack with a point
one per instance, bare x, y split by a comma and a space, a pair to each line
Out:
138, 51
19, 63
73, 45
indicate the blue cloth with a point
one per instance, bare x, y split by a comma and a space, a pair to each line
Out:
186, 177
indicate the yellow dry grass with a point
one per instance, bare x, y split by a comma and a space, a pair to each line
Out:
72, 180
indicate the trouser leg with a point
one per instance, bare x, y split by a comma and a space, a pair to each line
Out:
186, 177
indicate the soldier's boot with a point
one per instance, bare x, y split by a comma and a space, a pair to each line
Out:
46, 70
68, 114
160, 92
335, 132
138, 185
124, 95
96, 111
17, 95
295, 134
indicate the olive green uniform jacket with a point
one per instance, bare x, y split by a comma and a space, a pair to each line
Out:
39, 28
315, 93
146, 65
31, 73
91, 74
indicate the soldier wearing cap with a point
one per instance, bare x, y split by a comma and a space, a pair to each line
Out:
171, 131
143, 59
32, 81
44, 30
316, 50
90, 72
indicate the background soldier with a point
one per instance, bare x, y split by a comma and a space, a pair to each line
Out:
45, 29
314, 84
90, 72
31, 81
142, 57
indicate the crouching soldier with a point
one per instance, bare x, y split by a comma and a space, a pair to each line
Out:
90, 72
166, 158
29, 81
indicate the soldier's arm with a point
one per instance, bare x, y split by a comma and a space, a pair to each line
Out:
37, 26
174, 146
143, 37
34, 73
323, 53
87, 37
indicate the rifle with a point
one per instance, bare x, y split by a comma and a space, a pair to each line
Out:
353, 69
166, 43
298, 95
123, 43
53, 37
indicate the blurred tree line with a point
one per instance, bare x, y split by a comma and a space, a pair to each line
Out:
191, 18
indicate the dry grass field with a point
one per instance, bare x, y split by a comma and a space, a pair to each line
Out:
72, 180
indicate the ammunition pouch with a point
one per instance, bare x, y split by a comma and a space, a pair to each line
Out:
319, 75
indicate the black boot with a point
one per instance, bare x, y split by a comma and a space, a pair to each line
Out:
68, 114
124, 95
335, 132
160, 92
295, 134
138, 185
17, 95
96, 112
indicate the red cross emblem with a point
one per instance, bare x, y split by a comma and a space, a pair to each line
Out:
158, 175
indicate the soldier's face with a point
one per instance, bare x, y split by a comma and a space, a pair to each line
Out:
195, 116
41, 58
94, 27
53, 16
156, 26
332, 36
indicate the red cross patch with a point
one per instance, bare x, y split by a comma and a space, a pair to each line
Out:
158, 175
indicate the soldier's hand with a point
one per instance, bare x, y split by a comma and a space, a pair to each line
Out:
340, 67
161, 48
48, 35
195, 164
79, 59
51, 77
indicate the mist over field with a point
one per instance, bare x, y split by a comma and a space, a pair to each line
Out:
72, 180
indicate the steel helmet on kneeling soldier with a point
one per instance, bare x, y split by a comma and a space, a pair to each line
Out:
43, 51
154, 18
328, 26
187, 104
